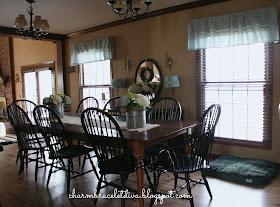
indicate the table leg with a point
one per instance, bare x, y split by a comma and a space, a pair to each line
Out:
138, 152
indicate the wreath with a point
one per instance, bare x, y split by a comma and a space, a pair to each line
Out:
143, 77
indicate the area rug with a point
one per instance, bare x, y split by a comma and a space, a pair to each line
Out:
253, 171
8, 139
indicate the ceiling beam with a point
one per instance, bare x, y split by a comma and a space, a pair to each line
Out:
168, 10
7, 31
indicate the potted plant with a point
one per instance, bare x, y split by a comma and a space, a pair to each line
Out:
134, 106
57, 102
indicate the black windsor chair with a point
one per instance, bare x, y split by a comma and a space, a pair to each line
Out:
27, 137
111, 149
165, 108
201, 142
87, 102
59, 144
113, 108
28, 107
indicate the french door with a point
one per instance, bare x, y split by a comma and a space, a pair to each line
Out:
38, 84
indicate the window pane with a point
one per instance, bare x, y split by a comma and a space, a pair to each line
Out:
45, 84
97, 75
97, 93
30, 86
235, 78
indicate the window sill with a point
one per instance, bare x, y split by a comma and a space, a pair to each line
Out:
242, 143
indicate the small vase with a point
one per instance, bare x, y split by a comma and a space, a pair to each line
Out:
135, 119
58, 109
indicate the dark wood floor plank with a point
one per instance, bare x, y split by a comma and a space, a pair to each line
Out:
23, 191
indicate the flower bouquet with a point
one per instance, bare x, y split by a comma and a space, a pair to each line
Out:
57, 99
133, 101
57, 102
149, 89
134, 105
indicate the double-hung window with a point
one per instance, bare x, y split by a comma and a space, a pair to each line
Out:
94, 58
95, 80
240, 79
234, 69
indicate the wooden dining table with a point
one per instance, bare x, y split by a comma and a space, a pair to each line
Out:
138, 141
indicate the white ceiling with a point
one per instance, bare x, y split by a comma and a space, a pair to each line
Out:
67, 16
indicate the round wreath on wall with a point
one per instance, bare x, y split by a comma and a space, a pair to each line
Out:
143, 74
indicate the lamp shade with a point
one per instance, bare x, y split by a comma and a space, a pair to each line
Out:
117, 83
172, 81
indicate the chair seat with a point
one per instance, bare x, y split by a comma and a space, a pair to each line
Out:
118, 164
35, 146
180, 163
70, 151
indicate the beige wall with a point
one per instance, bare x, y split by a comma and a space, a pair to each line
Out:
151, 38
28, 52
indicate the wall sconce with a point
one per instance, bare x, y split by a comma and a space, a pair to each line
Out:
168, 61
117, 83
172, 82
127, 65
17, 78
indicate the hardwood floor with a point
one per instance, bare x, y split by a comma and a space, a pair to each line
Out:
23, 191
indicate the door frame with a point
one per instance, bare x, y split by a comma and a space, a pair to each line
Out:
35, 68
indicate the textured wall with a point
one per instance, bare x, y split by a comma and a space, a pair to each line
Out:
28, 52
151, 38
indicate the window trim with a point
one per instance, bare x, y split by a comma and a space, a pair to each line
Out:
268, 101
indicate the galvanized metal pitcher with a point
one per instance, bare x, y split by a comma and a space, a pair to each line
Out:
135, 119
58, 109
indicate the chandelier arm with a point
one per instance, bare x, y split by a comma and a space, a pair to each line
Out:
30, 12
122, 15
135, 13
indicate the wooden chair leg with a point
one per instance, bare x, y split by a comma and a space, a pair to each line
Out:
148, 177
70, 166
123, 180
156, 175
21, 167
19, 155
175, 180
26, 159
93, 167
84, 162
50, 173
98, 188
206, 183
36, 167
190, 192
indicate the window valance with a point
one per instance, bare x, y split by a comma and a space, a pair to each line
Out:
245, 28
96, 50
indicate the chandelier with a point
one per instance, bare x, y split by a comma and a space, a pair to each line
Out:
37, 29
132, 7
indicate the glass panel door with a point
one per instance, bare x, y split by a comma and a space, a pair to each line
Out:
30, 86
45, 84
38, 85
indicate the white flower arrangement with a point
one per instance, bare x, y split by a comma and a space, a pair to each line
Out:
134, 101
57, 99
143, 88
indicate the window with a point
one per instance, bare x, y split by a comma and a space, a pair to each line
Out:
240, 79
38, 81
95, 80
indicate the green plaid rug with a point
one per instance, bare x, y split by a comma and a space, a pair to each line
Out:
242, 170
